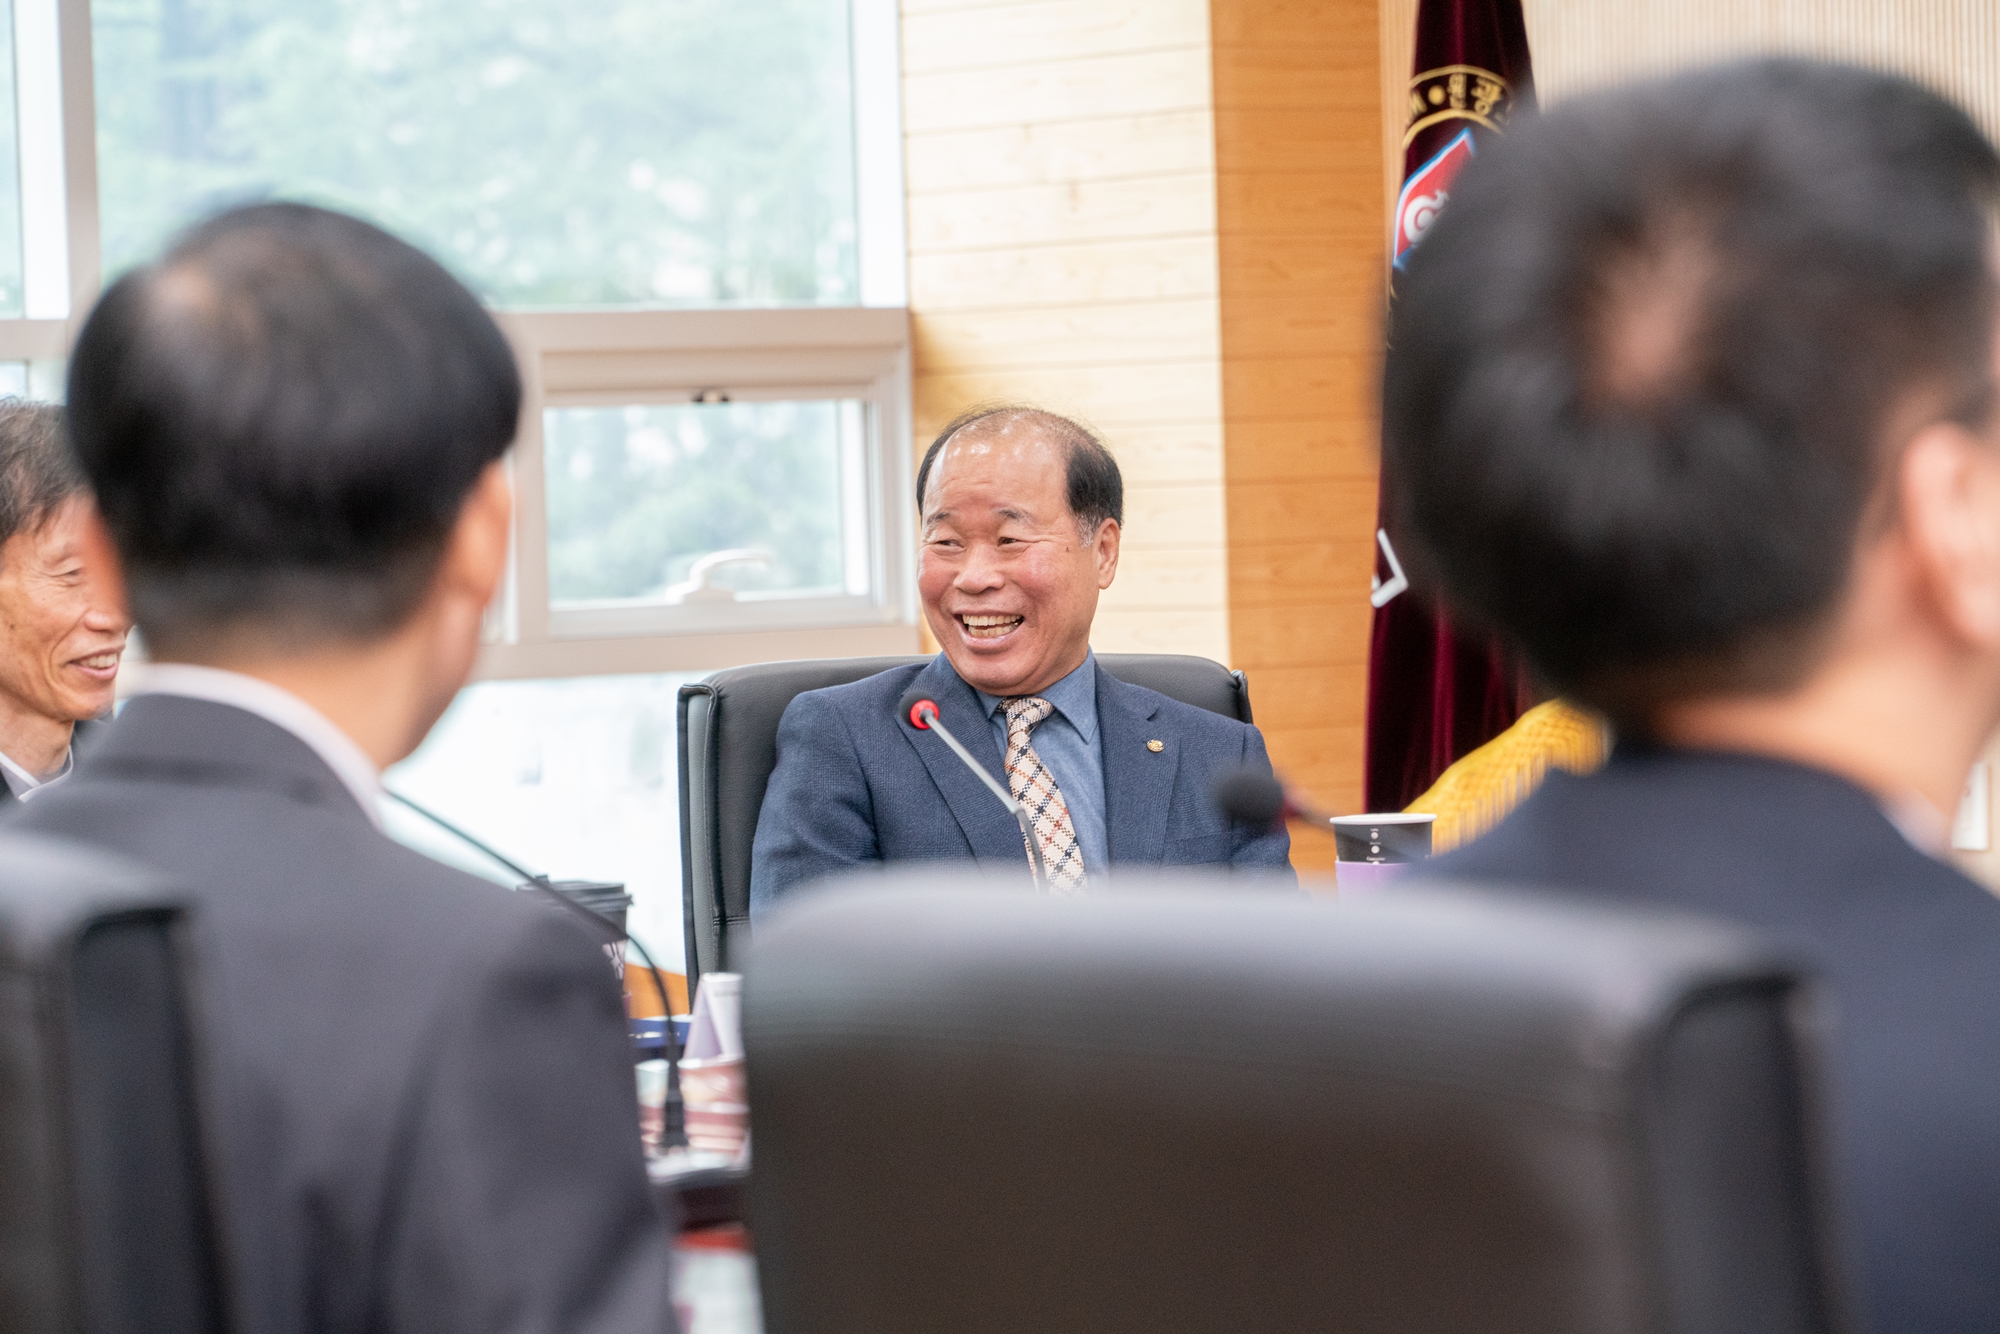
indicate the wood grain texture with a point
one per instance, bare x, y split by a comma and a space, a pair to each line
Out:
1107, 393
1060, 159
1164, 205
1299, 244
1047, 32
1171, 578
1114, 269
1060, 335
1061, 153
1141, 82
1950, 45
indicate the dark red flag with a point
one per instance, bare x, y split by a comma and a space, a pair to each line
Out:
1433, 693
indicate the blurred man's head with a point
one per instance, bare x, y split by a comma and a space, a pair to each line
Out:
1021, 512
290, 420
60, 636
1681, 361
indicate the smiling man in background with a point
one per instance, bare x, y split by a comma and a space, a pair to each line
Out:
60, 639
1022, 514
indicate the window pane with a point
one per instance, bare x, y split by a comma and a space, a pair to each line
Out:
10, 174
637, 495
38, 381
690, 153
576, 779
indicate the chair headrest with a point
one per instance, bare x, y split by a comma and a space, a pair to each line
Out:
1436, 1109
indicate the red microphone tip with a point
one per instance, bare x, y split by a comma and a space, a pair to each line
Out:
918, 710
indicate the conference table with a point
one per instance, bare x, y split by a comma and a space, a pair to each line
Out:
715, 1282
715, 1270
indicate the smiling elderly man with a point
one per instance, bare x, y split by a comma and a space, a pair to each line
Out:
60, 639
1021, 514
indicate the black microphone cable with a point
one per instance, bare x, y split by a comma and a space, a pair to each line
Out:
914, 708
598, 922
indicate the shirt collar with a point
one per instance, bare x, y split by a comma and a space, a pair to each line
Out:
1921, 824
1074, 697
337, 750
20, 782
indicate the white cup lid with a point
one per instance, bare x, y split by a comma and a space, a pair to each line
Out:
1397, 817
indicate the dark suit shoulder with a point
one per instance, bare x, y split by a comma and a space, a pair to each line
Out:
272, 862
1659, 823
870, 696
1907, 947
1205, 728
1190, 717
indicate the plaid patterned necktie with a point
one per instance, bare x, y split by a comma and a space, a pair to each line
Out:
1035, 788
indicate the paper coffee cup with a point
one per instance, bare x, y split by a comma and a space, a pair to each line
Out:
1398, 837
1373, 851
1352, 878
714, 1101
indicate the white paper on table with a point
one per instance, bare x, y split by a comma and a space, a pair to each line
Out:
716, 1028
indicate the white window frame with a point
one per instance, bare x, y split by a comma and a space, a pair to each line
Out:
577, 357
574, 359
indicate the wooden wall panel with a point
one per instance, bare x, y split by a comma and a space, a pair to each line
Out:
1106, 272
1951, 45
1061, 176
1299, 243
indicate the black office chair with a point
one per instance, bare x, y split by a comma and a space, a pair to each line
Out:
729, 744
108, 1221
1428, 1112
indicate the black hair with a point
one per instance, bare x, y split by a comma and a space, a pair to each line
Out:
1642, 368
38, 474
282, 419
1096, 487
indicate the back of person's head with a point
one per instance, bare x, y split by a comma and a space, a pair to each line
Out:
1647, 371
282, 419
38, 473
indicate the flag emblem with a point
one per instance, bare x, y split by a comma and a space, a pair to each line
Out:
1425, 193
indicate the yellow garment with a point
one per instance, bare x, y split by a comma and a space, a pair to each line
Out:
1482, 788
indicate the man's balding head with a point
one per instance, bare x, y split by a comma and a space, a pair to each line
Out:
1093, 486
1022, 511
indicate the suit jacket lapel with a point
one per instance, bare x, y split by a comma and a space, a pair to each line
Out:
1138, 783
984, 821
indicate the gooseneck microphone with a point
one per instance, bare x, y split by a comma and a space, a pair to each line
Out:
922, 714
1261, 801
598, 924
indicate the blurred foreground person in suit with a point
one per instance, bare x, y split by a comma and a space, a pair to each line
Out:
1021, 512
294, 423
60, 637
1692, 392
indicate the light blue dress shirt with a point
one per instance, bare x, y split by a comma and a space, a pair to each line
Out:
1068, 743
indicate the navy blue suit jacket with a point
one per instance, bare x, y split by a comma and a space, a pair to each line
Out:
856, 783
1908, 947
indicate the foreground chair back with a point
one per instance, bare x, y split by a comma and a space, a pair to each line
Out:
107, 1216
729, 744
1173, 1111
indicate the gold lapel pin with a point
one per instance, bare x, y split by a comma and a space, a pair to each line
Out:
1156, 746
